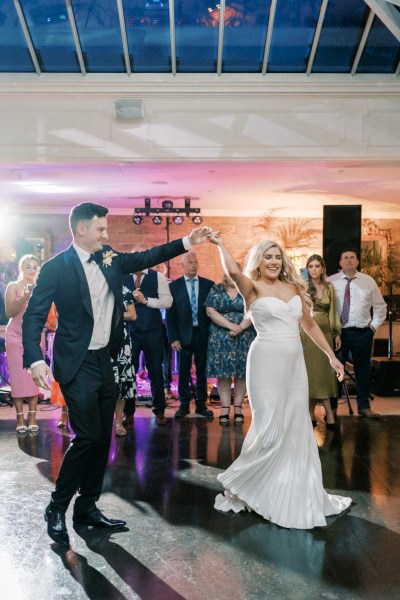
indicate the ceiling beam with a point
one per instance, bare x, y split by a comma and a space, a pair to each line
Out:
267, 48
172, 36
363, 41
317, 35
124, 37
387, 14
27, 36
221, 30
75, 35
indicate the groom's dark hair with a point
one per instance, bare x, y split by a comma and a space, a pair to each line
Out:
85, 212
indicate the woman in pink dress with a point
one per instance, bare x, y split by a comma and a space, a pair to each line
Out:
16, 299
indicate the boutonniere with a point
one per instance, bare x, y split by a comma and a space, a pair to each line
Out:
108, 258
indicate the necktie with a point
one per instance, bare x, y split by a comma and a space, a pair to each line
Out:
91, 258
137, 279
344, 317
193, 302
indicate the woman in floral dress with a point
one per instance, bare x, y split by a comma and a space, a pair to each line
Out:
124, 371
229, 340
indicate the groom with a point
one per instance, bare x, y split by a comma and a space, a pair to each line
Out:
85, 284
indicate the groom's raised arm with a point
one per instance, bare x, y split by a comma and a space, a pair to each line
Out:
137, 261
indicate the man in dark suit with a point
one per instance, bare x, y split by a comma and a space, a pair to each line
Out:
85, 283
188, 325
151, 292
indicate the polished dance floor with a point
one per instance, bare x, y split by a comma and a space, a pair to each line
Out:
175, 545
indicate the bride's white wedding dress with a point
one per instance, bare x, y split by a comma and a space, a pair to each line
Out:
278, 473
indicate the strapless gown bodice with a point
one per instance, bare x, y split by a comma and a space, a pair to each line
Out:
278, 472
273, 317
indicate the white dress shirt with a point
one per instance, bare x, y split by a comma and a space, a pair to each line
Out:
102, 300
364, 295
164, 299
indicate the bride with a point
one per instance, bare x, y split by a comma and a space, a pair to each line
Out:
278, 473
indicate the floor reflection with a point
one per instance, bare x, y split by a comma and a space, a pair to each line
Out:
178, 546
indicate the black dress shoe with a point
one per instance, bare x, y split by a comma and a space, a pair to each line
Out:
181, 413
368, 414
160, 419
95, 518
204, 412
56, 527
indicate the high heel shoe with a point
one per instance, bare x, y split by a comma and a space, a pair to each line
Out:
63, 422
21, 428
224, 419
33, 428
238, 417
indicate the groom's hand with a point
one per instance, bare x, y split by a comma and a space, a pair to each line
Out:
41, 375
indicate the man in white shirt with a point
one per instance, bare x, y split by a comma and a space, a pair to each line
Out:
357, 294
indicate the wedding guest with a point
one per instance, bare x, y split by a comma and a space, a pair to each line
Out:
229, 339
56, 396
124, 370
150, 292
188, 325
16, 300
357, 294
322, 382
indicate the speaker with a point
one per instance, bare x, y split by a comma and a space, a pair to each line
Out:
380, 347
129, 109
341, 230
386, 376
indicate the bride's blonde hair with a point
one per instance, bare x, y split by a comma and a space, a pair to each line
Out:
288, 272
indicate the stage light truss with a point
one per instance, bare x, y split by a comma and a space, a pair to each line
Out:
166, 209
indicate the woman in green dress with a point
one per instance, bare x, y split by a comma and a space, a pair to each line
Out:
321, 379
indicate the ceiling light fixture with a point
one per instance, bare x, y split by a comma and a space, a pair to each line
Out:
166, 210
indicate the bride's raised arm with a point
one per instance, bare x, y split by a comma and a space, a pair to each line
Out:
231, 269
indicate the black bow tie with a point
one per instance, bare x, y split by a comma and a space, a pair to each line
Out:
93, 257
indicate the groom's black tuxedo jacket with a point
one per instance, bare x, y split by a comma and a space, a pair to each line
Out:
62, 280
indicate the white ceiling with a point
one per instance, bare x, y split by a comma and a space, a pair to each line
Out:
289, 188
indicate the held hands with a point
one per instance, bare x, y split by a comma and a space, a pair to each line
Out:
337, 367
216, 239
176, 346
234, 329
41, 373
200, 235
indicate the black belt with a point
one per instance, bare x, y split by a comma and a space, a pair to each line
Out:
355, 328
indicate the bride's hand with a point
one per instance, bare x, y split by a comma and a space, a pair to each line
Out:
215, 238
338, 368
